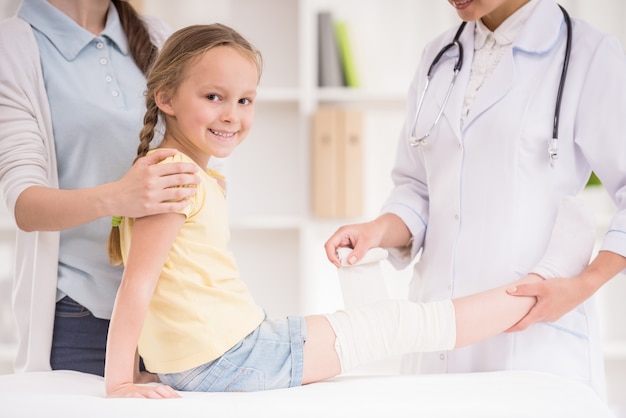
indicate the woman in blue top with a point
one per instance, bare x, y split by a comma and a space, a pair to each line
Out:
71, 107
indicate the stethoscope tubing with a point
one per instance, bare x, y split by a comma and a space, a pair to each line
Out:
552, 146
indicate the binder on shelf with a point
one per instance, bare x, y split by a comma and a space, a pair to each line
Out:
346, 55
337, 163
330, 71
350, 159
324, 163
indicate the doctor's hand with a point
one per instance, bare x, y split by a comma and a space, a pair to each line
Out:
555, 298
386, 231
359, 237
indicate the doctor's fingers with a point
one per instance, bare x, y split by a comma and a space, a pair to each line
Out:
554, 299
349, 236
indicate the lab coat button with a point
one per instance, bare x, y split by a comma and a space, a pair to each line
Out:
456, 216
442, 356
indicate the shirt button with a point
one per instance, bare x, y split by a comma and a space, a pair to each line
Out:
115, 93
103, 61
108, 79
99, 45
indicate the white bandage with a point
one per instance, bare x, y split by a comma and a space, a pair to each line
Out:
362, 283
390, 328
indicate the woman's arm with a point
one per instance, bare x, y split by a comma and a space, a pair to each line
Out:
485, 314
148, 188
151, 241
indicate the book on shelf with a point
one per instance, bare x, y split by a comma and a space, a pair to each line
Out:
337, 163
346, 54
336, 63
330, 72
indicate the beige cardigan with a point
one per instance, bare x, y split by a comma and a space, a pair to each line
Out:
27, 158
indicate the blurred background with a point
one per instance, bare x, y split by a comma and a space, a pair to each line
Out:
281, 209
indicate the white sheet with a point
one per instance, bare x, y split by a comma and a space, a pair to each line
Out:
498, 394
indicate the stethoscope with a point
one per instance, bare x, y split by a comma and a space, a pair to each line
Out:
552, 146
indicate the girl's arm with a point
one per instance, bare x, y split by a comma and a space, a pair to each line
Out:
485, 314
151, 241
147, 188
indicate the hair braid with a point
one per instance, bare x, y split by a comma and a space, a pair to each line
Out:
140, 45
150, 121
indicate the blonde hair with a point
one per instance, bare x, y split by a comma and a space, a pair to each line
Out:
181, 49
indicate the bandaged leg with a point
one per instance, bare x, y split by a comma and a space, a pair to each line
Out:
571, 243
389, 328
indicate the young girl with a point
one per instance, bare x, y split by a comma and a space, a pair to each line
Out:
181, 302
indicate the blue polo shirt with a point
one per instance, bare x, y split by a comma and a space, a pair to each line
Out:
96, 95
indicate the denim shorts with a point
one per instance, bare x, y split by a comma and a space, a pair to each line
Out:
271, 357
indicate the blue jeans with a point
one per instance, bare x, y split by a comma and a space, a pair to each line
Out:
79, 339
271, 357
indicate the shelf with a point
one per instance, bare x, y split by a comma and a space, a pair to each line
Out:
361, 96
269, 222
614, 350
278, 95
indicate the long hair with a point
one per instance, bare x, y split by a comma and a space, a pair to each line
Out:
181, 49
141, 47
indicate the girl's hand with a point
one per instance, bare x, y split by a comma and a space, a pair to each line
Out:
149, 188
131, 390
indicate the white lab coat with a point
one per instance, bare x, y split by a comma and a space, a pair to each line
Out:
481, 201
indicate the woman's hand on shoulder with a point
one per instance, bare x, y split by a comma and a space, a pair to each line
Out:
150, 188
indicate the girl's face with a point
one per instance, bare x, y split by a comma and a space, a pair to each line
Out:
491, 12
212, 110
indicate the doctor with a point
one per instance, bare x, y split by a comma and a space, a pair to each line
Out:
477, 191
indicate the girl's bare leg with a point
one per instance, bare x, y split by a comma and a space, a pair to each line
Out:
320, 357
485, 314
